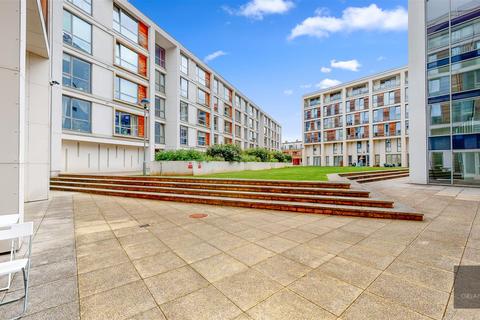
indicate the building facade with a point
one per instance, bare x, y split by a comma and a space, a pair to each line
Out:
295, 150
444, 59
108, 56
73, 79
361, 123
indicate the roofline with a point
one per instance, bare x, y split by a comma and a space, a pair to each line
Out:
181, 47
346, 84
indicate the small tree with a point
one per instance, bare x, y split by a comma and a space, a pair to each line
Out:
229, 152
279, 156
261, 153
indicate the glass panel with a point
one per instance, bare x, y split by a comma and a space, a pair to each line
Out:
81, 75
437, 11
437, 40
439, 86
440, 167
461, 7
466, 116
126, 90
466, 168
439, 116
466, 81
82, 34
127, 58
128, 26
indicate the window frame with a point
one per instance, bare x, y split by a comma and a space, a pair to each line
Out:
71, 118
71, 33
71, 76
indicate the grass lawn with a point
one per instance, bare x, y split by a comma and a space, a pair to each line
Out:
293, 173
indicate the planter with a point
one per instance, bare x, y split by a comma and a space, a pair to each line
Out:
195, 168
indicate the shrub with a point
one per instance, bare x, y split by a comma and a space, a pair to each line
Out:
249, 158
279, 156
228, 152
261, 153
180, 155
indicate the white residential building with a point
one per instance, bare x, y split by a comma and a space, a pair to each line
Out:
362, 123
73, 78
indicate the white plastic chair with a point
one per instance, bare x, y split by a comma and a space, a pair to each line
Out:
6, 221
14, 234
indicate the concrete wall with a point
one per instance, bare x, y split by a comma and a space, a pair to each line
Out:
194, 168
417, 96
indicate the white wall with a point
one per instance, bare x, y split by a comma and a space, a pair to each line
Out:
417, 95
195, 168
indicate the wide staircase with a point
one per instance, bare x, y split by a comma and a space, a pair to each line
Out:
373, 176
334, 198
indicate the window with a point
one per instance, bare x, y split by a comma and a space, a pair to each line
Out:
466, 116
227, 94
76, 114
215, 86
238, 116
77, 32
159, 81
126, 58
464, 81
203, 97
159, 133
437, 40
160, 56
159, 107
184, 64
184, 87
129, 124
215, 104
127, 91
183, 111
203, 77
215, 123
183, 135
202, 118
388, 145
85, 5
399, 145
202, 138
359, 147
125, 24
227, 111
76, 73
439, 118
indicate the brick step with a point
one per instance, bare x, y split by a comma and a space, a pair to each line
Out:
364, 173
374, 179
277, 183
226, 187
350, 201
373, 175
329, 209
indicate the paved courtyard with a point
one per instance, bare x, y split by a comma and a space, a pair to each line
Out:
99, 257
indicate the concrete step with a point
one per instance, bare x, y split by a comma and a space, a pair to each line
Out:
214, 186
313, 208
276, 183
351, 201
379, 174
381, 178
351, 175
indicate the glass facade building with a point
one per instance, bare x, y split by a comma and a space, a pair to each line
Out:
453, 91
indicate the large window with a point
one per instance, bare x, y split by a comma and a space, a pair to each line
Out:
439, 120
159, 133
203, 118
125, 24
126, 58
77, 32
465, 81
184, 64
203, 97
439, 86
466, 116
202, 138
466, 31
203, 77
183, 111
128, 124
126, 90
183, 135
437, 40
160, 56
184, 87
76, 73
85, 5
159, 107
159, 81
76, 114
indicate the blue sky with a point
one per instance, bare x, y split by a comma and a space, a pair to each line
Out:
274, 51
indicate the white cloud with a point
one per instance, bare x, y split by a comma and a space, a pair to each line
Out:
353, 18
257, 9
351, 65
327, 83
325, 70
381, 58
214, 55
306, 86
288, 92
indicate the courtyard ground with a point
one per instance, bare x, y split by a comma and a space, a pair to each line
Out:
99, 257
294, 173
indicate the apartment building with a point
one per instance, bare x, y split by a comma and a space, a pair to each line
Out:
295, 150
444, 59
109, 56
360, 123
74, 78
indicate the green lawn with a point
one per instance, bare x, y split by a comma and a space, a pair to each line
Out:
293, 173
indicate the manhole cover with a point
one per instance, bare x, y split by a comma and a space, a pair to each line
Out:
198, 215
